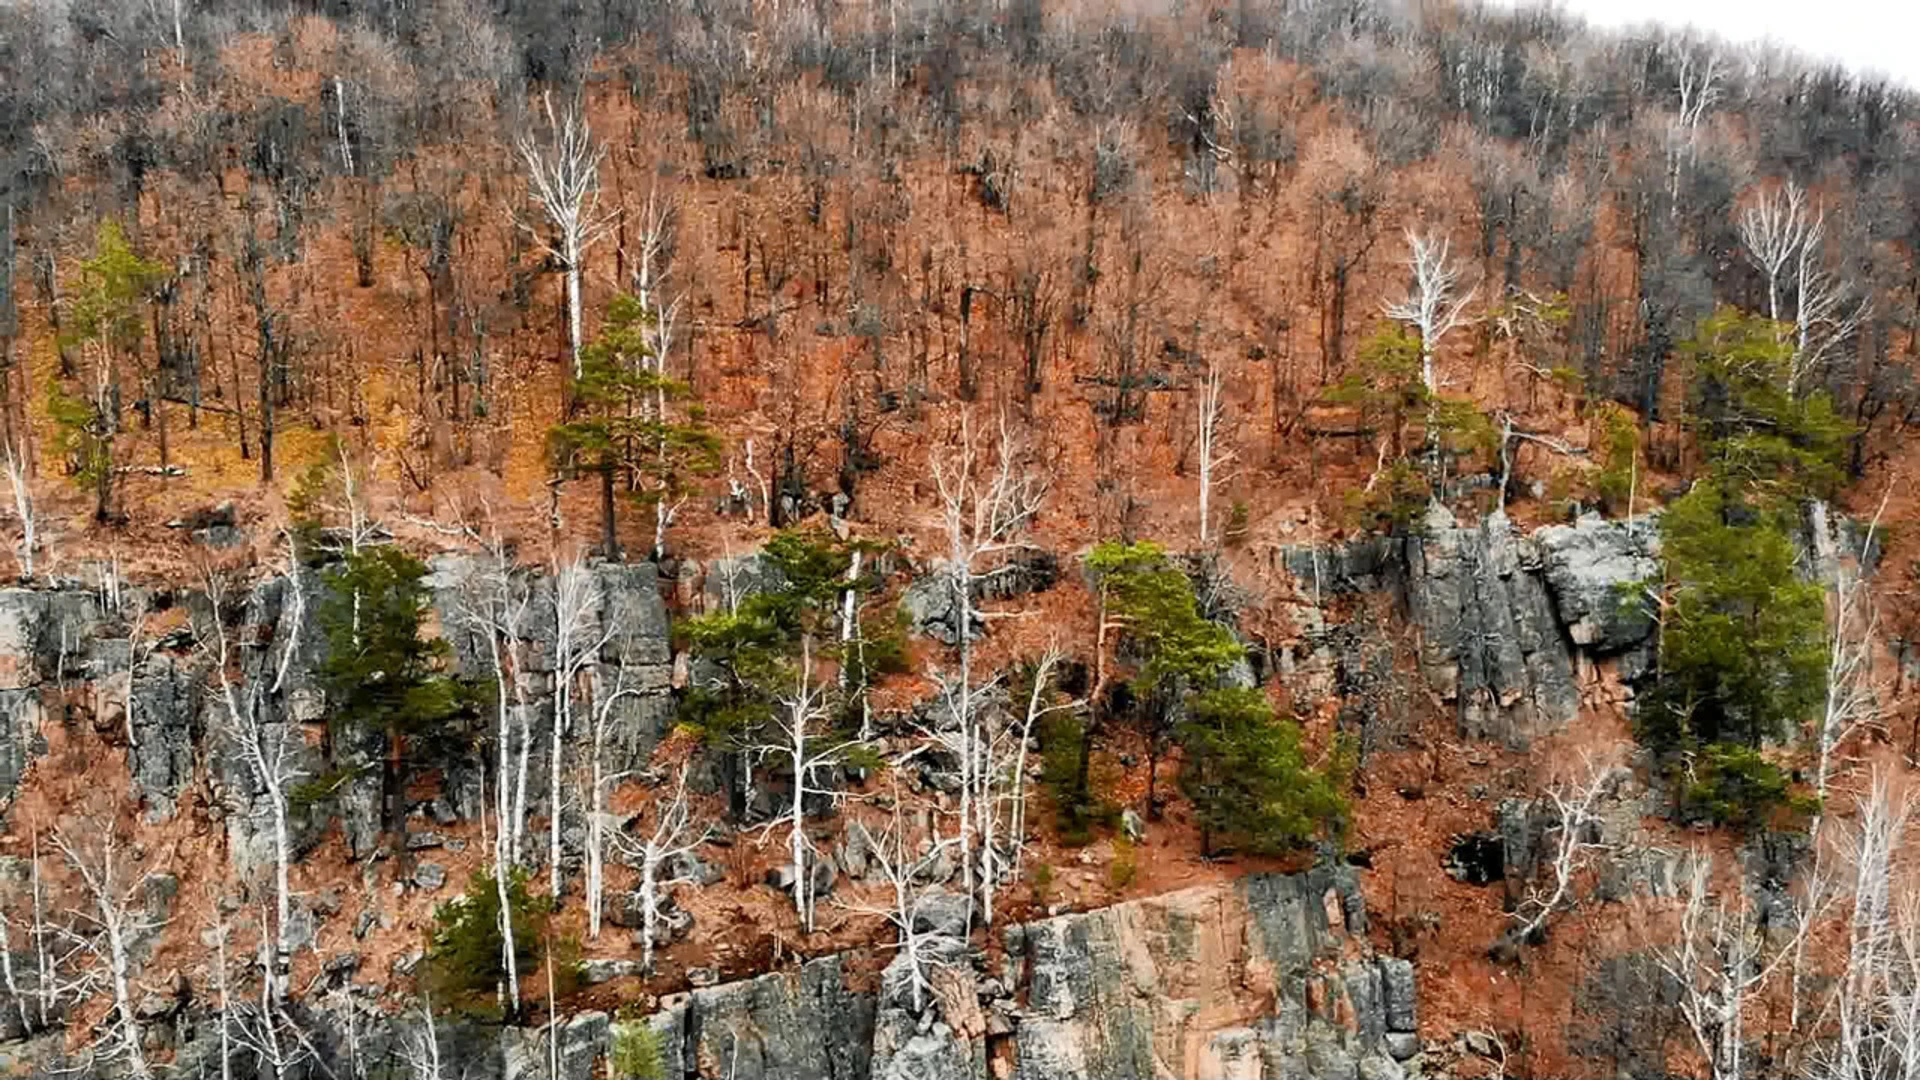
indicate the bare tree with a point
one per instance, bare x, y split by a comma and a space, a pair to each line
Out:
564, 174
23, 508
675, 834
1434, 305
1212, 408
987, 502
598, 819
1575, 823
1720, 959
265, 1028
1772, 230
271, 752
420, 1050
497, 610
1784, 239
579, 635
799, 722
907, 876
649, 285
117, 920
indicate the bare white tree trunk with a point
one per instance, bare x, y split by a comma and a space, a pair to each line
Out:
119, 920
1212, 407
1573, 800
23, 507
796, 720
1434, 305
987, 503
564, 175
905, 874
675, 833
266, 750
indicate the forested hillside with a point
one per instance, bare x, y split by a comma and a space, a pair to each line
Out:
526, 516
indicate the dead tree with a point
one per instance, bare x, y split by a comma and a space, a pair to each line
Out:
497, 609
578, 640
1434, 304
800, 721
598, 834
987, 502
118, 919
1573, 840
420, 1050
1212, 409
564, 175
907, 876
1720, 958
271, 754
23, 508
675, 834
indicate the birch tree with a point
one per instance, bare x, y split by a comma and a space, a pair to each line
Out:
23, 508
907, 878
675, 834
1212, 410
498, 611
1772, 230
1719, 960
579, 635
563, 173
1434, 305
116, 920
1783, 237
271, 753
1575, 821
801, 744
420, 1050
600, 780
987, 502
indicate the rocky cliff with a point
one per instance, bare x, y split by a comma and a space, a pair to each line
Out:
1270, 976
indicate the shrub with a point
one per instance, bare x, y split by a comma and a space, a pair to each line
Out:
637, 1052
1726, 784
1616, 445
464, 965
1042, 884
1125, 865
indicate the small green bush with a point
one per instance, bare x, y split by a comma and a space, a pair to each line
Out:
1125, 865
464, 966
1729, 784
637, 1052
1042, 884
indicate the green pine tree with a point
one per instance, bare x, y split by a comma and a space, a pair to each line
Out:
107, 327
380, 674
1743, 635
623, 425
1243, 768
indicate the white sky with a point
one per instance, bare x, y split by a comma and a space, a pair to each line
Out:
1882, 36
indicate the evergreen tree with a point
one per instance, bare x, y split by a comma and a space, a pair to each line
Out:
466, 961
750, 652
622, 423
1246, 776
1243, 768
1743, 635
107, 329
380, 674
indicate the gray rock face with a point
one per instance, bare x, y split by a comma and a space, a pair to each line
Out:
793, 1025
1506, 622
1131, 989
1592, 566
1489, 640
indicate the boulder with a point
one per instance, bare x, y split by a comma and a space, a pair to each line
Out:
1592, 568
938, 911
